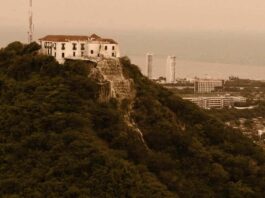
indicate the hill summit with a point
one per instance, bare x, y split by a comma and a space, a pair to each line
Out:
83, 129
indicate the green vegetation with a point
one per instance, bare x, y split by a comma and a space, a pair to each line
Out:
253, 90
198, 144
237, 82
235, 114
56, 140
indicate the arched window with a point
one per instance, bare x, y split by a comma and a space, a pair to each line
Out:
74, 46
82, 46
63, 46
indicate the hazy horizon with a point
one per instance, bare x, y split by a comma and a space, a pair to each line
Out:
216, 32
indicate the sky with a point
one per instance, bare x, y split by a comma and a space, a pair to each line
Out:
149, 15
126, 18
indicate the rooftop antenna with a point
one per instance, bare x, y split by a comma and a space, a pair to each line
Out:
30, 32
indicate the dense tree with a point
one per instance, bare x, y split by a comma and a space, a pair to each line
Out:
57, 140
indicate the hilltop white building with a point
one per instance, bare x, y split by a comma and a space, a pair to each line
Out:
79, 47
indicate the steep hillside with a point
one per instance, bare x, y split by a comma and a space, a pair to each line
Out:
103, 130
207, 158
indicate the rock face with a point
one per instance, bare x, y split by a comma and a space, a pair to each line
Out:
121, 88
104, 91
111, 81
112, 84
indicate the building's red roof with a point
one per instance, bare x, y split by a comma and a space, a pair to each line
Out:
65, 38
109, 41
94, 36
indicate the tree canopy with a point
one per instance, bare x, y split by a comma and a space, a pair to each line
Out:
57, 140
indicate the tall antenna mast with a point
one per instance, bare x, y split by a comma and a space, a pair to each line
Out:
30, 32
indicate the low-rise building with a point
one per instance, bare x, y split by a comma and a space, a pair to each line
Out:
78, 47
214, 102
207, 85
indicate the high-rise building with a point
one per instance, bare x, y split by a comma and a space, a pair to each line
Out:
149, 64
171, 69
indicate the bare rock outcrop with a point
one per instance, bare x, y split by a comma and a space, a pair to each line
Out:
112, 71
112, 84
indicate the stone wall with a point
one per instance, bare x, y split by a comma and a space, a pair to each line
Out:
112, 84
112, 71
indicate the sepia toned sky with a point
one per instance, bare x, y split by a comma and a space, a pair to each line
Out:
166, 15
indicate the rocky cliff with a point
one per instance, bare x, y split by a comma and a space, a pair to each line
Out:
109, 74
110, 71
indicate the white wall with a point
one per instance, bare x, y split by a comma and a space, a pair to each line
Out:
93, 49
109, 50
99, 50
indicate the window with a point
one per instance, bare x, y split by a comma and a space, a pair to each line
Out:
113, 54
49, 45
74, 46
63, 46
82, 46
54, 46
92, 52
74, 54
62, 55
55, 54
106, 47
82, 53
113, 47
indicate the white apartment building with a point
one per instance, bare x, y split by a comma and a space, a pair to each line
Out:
207, 85
149, 65
217, 102
171, 69
239, 99
78, 47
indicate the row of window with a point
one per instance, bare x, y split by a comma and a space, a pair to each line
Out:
82, 54
75, 48
82, 46
106, 47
